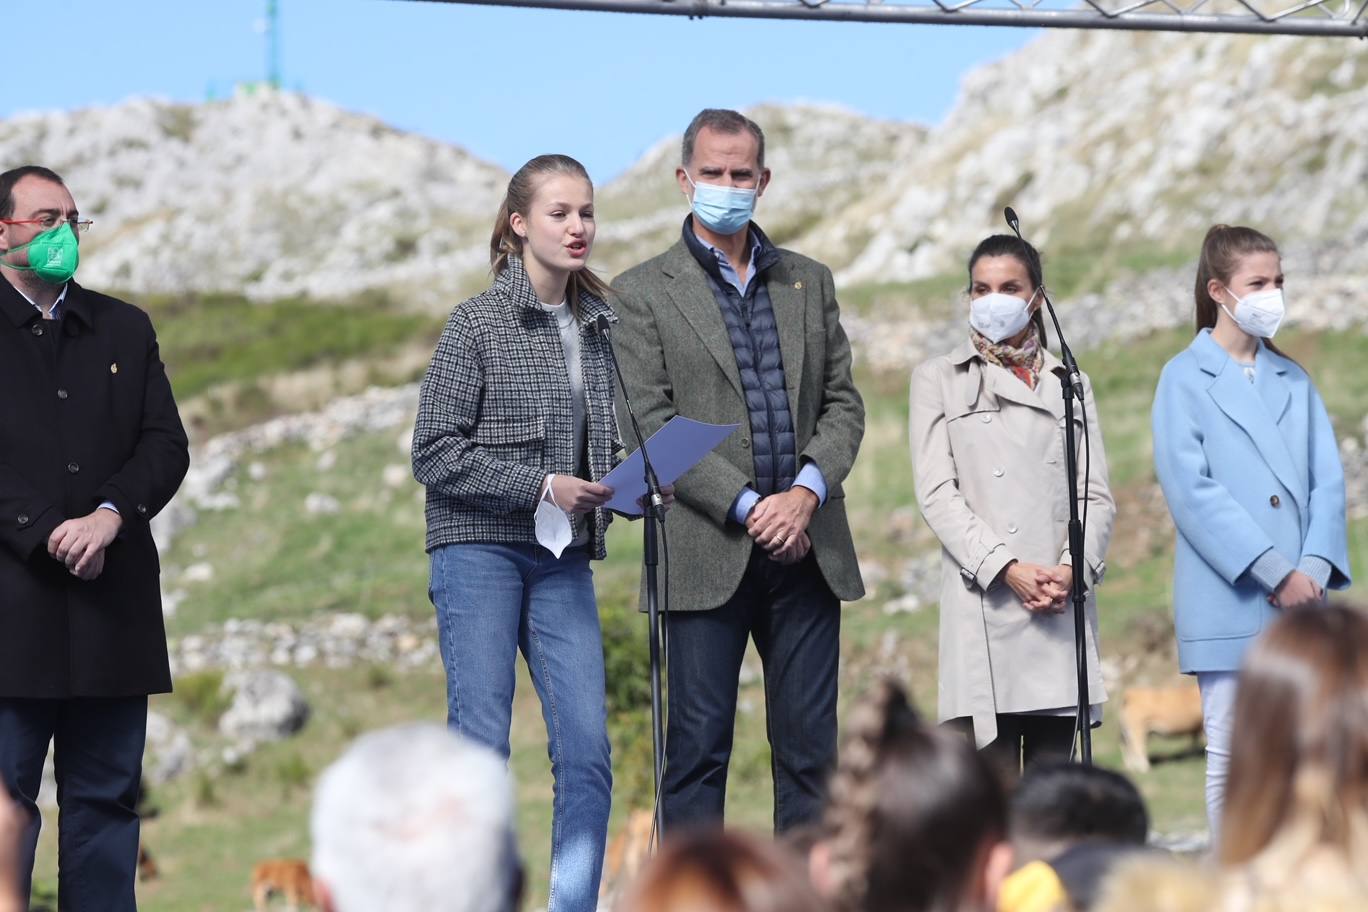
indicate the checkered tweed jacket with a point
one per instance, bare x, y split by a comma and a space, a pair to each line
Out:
495, 415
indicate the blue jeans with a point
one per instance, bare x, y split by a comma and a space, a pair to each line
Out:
492, 601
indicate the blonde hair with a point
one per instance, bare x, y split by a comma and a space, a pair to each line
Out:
1299, 756
522, 188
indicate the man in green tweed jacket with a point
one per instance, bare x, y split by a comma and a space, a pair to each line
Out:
727, 328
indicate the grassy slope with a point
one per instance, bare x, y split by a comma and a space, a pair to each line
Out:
218, 338
273, 560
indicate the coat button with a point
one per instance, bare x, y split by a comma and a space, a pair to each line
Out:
62, 394
23, 519
1012, 529
997, 473
745, 443
142, 509
985, 418
1274, 501
73, 467
36, 329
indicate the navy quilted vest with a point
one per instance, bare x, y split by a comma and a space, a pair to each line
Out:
755, 341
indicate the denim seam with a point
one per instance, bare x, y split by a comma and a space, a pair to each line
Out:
557, 758
445, 631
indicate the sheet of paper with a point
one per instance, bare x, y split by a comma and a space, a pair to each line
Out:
675, 448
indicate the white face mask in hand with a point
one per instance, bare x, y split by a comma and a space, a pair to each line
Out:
553, 526
999, 316
1259, 314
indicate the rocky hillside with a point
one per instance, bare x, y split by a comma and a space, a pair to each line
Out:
268, 194
1127, 142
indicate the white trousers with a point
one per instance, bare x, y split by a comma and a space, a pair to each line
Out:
1218, 715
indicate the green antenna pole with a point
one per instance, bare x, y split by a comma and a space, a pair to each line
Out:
273, 43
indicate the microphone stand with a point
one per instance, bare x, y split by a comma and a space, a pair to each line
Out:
1072, 382
654, 512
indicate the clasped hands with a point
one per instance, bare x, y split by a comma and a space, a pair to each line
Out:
1042, 590
80, 543
1297, 591
778, 524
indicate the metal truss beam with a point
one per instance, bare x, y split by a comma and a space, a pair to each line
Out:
1325, 18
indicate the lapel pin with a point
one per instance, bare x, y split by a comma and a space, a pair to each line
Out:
114, 368
798, 285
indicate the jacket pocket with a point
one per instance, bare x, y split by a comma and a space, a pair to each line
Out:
1224, 619
512, 439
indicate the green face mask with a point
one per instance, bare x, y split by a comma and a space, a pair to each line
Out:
53, 255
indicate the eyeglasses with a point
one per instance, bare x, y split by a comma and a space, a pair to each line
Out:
48, 222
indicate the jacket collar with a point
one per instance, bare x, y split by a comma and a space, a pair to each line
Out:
515, 286
1213, 359
766, 254
687, 287
1000, 383
687, 273
1270, 374
20, 311
1258, 407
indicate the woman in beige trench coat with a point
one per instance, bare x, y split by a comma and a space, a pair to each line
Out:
986, 431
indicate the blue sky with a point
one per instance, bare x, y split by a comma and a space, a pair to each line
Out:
505, 83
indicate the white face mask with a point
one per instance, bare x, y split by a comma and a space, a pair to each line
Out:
1260, 313
999, 316
552, 525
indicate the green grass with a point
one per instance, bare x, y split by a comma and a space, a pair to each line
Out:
273, 560
930, 297
1073, 270
211, 339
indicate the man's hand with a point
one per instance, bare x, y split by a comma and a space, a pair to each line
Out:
1297, 591
80, 543
92, 568
778, 519
793, 551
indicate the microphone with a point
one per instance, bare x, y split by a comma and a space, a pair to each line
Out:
603, 326
1072, 389
1070, 365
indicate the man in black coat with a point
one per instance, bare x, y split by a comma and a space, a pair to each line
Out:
91, 448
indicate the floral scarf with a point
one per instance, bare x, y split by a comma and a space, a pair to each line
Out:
1024, 362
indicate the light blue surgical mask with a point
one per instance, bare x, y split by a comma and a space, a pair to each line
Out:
725, 210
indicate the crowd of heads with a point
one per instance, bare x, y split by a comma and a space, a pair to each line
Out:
418, 818
916, 821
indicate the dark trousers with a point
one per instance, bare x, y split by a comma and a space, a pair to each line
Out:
98, 748
1024, 740
796, 623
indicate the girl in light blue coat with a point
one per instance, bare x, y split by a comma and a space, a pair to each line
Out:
1247, 458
